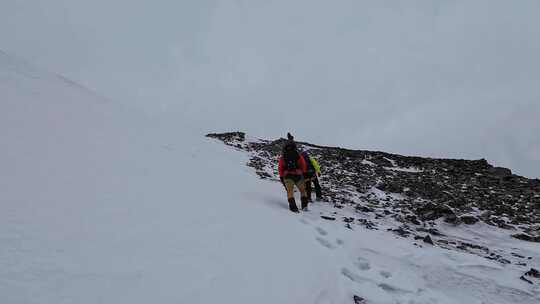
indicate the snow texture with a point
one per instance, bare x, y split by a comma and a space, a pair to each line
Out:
103, 205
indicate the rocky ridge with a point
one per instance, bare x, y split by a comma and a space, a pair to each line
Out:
413, 196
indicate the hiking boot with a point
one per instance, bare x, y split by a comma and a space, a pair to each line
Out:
292, 205
304, 202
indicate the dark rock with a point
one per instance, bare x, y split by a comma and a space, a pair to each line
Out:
413, 219
348, 219
501, 223
533, 273
451, 218
391, 187
400, 231
458, 202
328, 218
432, 211
228, 137
364, 208
427, 239
431, 231
465, 245
359, 300
526, 280
526, 237
368, 224
469, 219
499, 171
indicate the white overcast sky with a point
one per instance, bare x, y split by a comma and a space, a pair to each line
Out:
441, 78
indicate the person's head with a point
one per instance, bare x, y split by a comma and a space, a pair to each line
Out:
289, 136
289, 146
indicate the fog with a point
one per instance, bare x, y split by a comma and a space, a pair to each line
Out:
450, 78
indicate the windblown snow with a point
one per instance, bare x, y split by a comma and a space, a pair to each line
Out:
100, 204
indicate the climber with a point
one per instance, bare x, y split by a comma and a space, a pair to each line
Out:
311, 175
291, 168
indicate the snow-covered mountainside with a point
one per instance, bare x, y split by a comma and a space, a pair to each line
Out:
423, 199
102, 205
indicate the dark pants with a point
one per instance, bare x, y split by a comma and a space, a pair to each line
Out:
312, 177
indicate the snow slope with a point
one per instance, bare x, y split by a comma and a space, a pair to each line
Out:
98, 205
103, 205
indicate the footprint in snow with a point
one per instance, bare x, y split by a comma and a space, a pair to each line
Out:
393, 289
324, 242
384, 286
353, 276
321, 231
385, 274
363, 264
304, 221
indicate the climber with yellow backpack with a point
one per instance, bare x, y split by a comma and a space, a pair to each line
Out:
312, 176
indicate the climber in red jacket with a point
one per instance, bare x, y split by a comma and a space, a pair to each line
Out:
292, 167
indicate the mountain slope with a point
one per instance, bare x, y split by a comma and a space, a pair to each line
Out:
464, 206
100, 204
